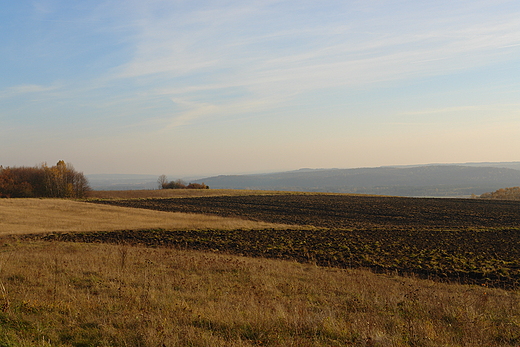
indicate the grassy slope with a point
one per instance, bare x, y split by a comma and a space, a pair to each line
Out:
51, 215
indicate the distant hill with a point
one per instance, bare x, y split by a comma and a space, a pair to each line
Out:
507, 165
428, 180
411, 180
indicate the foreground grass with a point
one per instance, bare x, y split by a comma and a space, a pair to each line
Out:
18, 216
74, 294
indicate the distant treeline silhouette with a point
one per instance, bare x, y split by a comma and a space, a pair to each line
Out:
59, 181
163, 183
512, 193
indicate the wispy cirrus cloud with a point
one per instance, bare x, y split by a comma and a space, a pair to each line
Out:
195, 53
235, 49
26, 89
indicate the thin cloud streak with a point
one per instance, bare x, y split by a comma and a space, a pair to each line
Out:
26, 89
502, 107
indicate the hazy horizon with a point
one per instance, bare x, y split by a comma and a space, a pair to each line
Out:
172, 176
229, 87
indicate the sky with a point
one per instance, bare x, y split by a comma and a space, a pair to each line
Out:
201, 88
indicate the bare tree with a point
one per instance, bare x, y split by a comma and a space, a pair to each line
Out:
162, 181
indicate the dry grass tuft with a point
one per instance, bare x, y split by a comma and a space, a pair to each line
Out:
57, 294
55, 215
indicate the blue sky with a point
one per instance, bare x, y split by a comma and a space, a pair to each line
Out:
195, 88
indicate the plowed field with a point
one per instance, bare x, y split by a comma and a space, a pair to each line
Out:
468, 241
344, 211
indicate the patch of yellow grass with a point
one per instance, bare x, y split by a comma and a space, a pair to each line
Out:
56, 215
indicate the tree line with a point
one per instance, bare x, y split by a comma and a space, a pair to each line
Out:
163, 183
59, 181
512, 193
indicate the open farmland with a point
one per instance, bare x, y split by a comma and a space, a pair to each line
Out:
150, 288
468, 241
346, 211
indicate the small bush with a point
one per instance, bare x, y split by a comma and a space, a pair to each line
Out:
179, 184
197, 186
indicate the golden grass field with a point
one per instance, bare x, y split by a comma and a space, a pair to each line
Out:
88, 295
59, 215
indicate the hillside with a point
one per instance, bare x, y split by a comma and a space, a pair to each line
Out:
432, 180
440, 180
